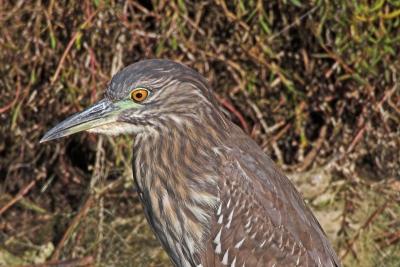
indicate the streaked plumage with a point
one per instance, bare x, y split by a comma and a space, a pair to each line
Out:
212, 197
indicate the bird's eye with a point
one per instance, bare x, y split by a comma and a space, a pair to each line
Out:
139, 94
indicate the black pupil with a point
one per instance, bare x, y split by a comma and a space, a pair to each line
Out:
139, 95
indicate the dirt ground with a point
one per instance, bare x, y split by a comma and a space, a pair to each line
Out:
315, 83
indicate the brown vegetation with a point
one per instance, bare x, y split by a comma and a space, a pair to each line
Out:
316, 84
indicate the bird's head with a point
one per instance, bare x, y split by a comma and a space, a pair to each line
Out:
147, 95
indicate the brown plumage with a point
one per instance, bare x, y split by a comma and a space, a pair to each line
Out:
211, 195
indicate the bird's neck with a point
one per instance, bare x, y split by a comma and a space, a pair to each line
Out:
176, 171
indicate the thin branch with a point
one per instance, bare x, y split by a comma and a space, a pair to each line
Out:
70, 44
225, 103
86, 261
20, 195
369, 220
12, 103
82, 213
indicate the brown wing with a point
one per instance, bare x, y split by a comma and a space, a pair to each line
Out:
262, 220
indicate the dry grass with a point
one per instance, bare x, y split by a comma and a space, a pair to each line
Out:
319, 92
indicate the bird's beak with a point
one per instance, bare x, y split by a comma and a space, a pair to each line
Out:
102, 113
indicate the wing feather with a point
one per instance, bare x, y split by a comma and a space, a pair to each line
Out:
264, 221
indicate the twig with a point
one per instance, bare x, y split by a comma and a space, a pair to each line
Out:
199, 15
12, 103
276, 137
259, 115
86, 261
145, 10
288, 27
378, 211
70, 44
194, 25
233, 110
20, 195
279, 155
389, 238
232, 17
309, 159
97, 178
357, 138
82, 212
364, 124
338, 59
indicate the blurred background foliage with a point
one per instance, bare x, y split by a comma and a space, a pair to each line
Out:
315, 83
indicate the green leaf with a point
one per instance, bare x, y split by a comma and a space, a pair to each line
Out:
264, 26
53, 40
78, 40
296, 3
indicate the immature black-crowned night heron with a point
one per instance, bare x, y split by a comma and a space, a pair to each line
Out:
211, 195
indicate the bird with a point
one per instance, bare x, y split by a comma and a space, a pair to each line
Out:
209, 192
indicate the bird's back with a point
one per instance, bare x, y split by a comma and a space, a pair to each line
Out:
262, 220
